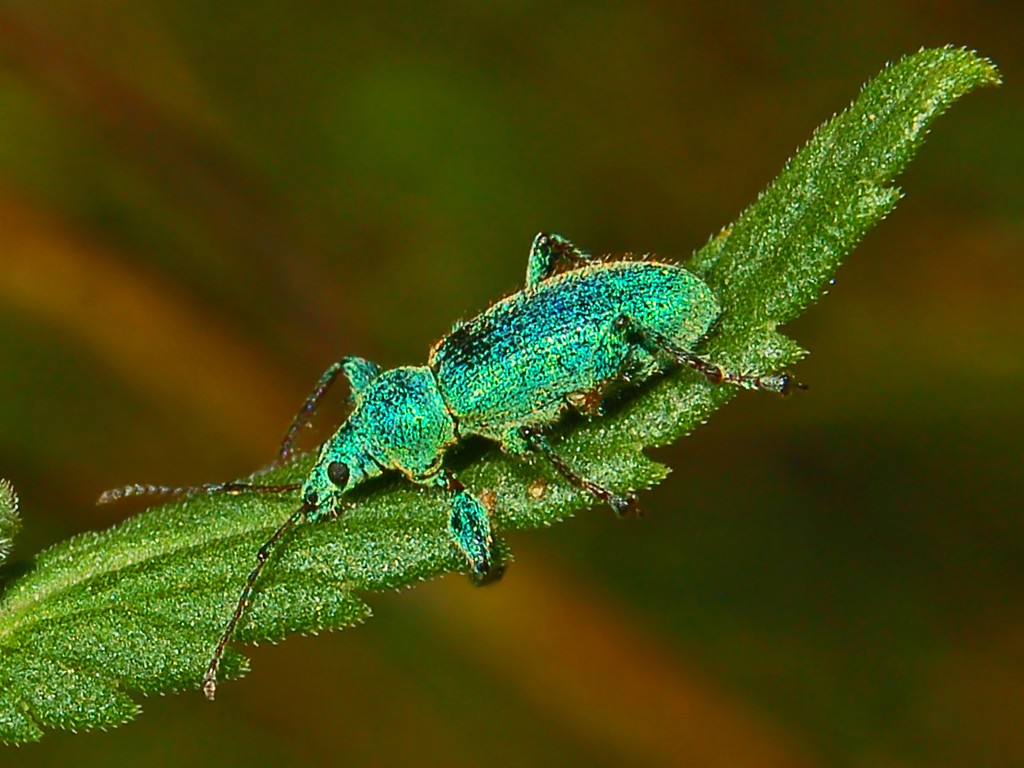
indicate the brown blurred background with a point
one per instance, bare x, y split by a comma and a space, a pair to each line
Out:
203, 204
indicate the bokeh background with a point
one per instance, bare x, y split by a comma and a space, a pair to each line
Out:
204, 203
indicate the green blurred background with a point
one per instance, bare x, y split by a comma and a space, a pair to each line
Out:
204, 203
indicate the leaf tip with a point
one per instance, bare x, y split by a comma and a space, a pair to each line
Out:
983, 69
958, 63
9, 520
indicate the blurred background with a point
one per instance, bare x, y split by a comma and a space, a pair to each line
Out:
204, 203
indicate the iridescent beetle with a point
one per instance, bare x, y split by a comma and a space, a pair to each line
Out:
505, 375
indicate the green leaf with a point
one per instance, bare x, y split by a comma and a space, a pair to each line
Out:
79, 629
9, 522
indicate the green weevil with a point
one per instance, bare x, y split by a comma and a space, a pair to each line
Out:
505, 375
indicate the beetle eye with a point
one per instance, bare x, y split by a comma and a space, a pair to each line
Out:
337, 472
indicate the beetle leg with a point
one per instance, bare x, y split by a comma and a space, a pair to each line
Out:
358, 371
545, 253
587, 402
590, 402
470, 527
622, 505
655, 342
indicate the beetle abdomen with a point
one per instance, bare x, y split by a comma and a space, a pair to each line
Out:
515, 363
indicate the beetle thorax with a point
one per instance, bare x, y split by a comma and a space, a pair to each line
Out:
399, 422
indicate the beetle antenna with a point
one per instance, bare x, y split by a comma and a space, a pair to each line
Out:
125, 491
210, 678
